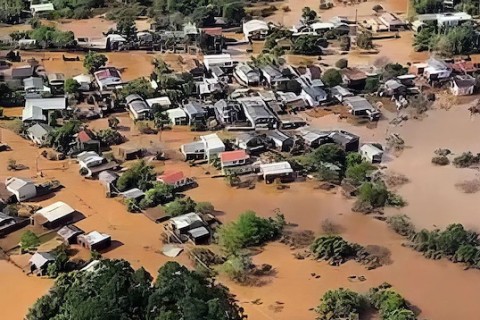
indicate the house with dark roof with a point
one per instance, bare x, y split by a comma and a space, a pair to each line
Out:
195, 111
69, 233
23, 72
138, 107
280, 140
354, 78
85, 142
258, 114
251, 142
462, 85
348, 141
9, 224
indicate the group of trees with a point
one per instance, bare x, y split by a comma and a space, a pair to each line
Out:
201, 12
94, 61
11, 11
448, 41
116, 291
75, 9
140, 175
47, 37
347, 304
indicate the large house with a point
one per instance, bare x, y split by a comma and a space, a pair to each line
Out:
258, 114
205, 149
108, 78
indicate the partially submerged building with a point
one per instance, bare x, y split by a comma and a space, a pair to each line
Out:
223, 61
255, 29
258, 114
360, 107
280, 140
94, 241
138, 107
462, 85
195, 112
176, 179
372, 152
39, 133
53, 216
192, 226
237, 162
177, 116
22, 188
246, 75
277, 170
39, 262
69, 233
207, 147
108, 78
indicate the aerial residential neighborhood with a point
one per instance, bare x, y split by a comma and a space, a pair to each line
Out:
240, 160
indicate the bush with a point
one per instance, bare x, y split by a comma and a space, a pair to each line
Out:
390, 304
440, 160
466, 160
341, 64
332, 77
29, 241
364, 40
358, 173
340, 304
401, 224
204, 207
345, 43
372, 84
238, 267
249, 230
179, 207
140, 175
334, 249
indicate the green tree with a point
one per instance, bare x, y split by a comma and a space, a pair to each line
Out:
341, 63
353, 158
204, 207
72, 86
127, 28
374, 194
332, 77
330, 153
401, 224
140, 175
333, 248
113, 122
237, 267
29, 241
94, 61
109, 137
393, 70
140, 86
249, 230
428, 6
364, 40
159, 194
358, 173
308, 15
340, 304
180, 206
307, 45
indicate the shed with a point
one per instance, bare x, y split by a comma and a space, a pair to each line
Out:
186, 222
84, 80
7, 224
41, 8
134, 193
69, 233
199, 235
95, 241
372, 152
22, 188
53, 216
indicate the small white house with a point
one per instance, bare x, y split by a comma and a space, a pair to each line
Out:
38, 133
41, 8
23, 189
372, 152
274, 170
219, 60
209, 145
84, 81
177, 116
255, 29
462, 85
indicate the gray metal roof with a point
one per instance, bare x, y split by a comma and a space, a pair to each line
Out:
39, 130
199, 232
133, 193
194, 108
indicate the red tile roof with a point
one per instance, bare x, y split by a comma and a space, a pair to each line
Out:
83, 136
170, 177
233, 155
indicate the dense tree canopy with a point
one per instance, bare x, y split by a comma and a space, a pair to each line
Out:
249, 230
140, 175
332, 77
307, 45
116, 291
340, 304
94, 61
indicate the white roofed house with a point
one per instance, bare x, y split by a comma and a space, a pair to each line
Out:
177, 116
164, 102
272, 171
36, 9
372, 152
23, 189
40, 261
255, 30
95, 241
462, 85
204, 149
223, 61
38, 133
84, 80
55, 215
36, 109
34, 87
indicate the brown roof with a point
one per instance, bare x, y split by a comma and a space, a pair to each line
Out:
354, 74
